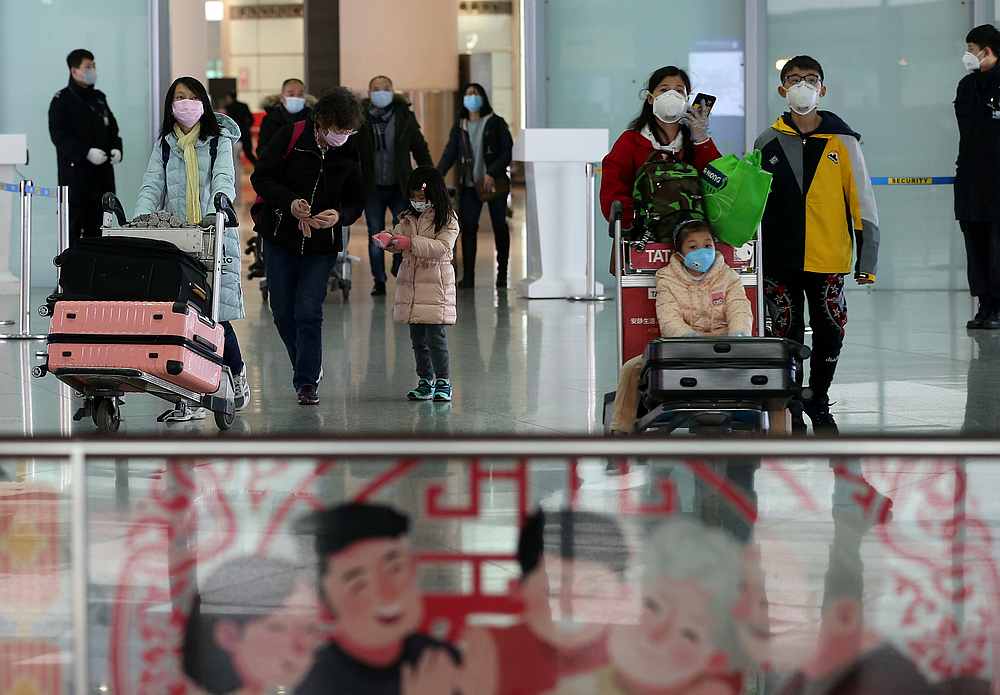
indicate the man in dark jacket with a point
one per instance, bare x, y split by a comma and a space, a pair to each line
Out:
291, 107
977, 178
85, 134
389, 136
309, 195
240, 112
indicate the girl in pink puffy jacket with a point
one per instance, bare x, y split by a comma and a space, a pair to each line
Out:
696, 294
425, 286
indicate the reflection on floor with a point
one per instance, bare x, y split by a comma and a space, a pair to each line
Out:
881, 572
543, 366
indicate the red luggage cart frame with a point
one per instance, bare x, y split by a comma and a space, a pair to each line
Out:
635, 286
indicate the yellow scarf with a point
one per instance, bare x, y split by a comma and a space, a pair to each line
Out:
192, 196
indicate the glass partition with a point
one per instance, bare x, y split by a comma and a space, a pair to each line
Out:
546, 566
35, 38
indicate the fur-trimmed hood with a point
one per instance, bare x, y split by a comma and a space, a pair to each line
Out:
269, 102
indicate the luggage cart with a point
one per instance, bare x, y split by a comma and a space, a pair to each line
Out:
635, 267
340, 277
104, 389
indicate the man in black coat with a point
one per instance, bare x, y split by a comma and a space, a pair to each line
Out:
977, 176
389, 135
290, 107
87, 141
240, 112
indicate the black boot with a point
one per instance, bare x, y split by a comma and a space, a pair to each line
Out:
991, 322
379, 290
502, 275
818, 410
985, 309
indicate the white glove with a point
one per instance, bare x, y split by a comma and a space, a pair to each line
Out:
697, 120
97, 157
116, 156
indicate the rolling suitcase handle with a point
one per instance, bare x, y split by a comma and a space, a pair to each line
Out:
225, 217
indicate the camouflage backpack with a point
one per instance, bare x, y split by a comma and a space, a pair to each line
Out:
667, 192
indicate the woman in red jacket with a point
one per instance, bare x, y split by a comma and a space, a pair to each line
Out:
666, 123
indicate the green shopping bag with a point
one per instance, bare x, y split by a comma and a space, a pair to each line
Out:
735, 193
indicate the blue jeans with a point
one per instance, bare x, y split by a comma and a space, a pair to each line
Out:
231, 355
381, 199
297, 288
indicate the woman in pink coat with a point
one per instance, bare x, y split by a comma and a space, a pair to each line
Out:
425, 286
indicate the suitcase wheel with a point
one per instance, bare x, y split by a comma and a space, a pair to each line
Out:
44, 310
107, 415
225, 421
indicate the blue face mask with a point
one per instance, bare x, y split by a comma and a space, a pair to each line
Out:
381, 98
473, 102
700, 260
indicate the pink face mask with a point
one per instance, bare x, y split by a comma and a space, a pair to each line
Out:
188, 111
336, 139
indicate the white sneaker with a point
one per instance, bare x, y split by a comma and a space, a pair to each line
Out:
242, 397
183, 413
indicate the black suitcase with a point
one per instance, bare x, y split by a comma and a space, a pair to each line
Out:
128, 269
721, 368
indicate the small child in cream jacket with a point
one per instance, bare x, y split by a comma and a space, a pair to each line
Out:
696, 294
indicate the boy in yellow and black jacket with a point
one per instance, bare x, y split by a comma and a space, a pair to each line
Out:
820, 216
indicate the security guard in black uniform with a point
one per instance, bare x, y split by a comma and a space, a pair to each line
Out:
85, 134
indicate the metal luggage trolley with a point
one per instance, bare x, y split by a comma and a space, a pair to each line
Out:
635, 267
340, 276
103, 389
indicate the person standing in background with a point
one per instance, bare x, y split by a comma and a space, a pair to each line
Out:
290, 106
240, 112
388, 137
977, 193
87, 141
481, 145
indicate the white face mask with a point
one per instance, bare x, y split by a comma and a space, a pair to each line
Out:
802, 98
670, 106
971, 61
419, 206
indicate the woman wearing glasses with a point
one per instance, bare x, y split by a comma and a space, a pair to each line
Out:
309, 178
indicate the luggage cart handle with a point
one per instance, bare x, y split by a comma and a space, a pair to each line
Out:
110, 203
617, 211
225, 206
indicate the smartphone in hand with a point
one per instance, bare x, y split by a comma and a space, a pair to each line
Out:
707, 101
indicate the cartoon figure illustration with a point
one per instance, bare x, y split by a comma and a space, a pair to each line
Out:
253, 628
686, 639
368, 582
572, 587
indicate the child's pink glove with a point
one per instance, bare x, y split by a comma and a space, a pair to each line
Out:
401, 243
383, 239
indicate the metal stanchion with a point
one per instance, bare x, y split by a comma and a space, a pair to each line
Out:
66, 408
592, 295
26, 188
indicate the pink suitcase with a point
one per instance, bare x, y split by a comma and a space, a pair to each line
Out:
170, 341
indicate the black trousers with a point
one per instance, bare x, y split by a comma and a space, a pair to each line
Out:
787, 296
469, 209
982, 253
84, 217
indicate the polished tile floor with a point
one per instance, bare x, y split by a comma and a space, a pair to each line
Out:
542, 367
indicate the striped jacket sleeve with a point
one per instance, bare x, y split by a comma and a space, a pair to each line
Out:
864, 212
